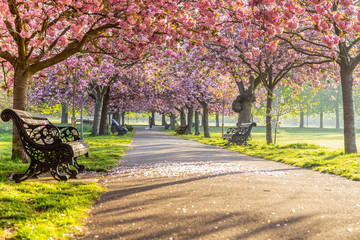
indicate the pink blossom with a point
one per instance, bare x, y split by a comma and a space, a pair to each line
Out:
255, 51
350, 11
316, 18
299, 10
62, 40
25, 34
248, 55
78, 4
243, 33
272, 46
356, 27
325, 26
292, 23
344, 25
328, 40
346, 3
271, 31
317, 2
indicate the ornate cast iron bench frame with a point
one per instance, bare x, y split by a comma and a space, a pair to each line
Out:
120, 129
239, 135
181, 129
50, 148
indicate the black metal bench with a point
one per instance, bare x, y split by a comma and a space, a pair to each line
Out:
181, 129
120, 129
129, 128
50, 148
239, 135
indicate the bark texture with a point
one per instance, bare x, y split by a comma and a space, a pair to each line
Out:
104, 123
302, 118
172, 122
206, 119
64, 113
348, 107
197, 122
269, 103
190, 120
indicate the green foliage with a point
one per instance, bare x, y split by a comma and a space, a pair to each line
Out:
317, 149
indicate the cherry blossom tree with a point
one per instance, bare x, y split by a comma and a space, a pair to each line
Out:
324, 29
38, 34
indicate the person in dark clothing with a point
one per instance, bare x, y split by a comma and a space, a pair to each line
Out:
150, 122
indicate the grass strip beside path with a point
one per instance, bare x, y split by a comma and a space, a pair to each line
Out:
53, 210
305, 155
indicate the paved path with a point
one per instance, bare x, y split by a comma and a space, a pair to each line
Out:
170, 188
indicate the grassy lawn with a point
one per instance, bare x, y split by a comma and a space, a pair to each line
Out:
52, 210
317, 149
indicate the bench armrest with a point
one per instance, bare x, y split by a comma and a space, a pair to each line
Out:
69, 134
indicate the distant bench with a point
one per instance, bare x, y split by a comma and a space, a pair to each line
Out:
115, 126
239, 135
50, 148
181, 129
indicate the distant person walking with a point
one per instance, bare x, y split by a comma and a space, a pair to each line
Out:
150, 121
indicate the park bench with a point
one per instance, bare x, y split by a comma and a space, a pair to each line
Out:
239, 135
120, 129
129, 128
181, 129
49, 148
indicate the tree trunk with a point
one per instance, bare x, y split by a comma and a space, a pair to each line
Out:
104, 125
123, 119
99, 98
172, 121
64, 113
206, 120
190, 120
153, 118
302, 117
245, 114
21, 78
348, 110
321, 119
337, 110
337, 113
217, 120
269, 102
116, 117
182, 117
163, 120
197, 122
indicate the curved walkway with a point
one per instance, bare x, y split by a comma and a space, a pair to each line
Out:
169, 188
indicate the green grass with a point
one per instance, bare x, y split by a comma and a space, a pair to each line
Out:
45, 210
105, 151
298, 147
52, 210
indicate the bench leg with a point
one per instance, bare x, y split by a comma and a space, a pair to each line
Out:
31, 171
71, 172
56, 175
78, 166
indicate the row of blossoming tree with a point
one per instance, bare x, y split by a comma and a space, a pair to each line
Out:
172, 55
